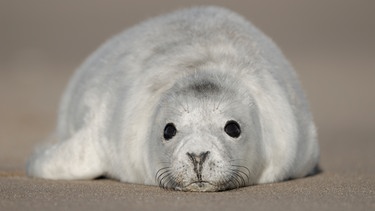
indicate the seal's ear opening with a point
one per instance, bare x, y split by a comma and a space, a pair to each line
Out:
169, 131
232, 128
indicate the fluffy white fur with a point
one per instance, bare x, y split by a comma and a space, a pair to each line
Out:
197, 68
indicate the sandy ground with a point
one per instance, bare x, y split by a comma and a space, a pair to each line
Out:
331, 45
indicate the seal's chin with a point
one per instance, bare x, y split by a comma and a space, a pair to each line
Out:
200, 187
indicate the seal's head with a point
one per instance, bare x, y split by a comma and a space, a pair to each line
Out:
207, 135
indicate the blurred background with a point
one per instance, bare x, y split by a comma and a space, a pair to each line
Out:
331, 44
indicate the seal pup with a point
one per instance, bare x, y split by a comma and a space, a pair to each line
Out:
195, 100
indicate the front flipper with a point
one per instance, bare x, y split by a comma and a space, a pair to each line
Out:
76, 158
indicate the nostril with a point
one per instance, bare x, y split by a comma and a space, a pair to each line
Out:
198, 159
203, 156
192, 157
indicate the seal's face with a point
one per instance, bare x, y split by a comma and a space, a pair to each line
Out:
206, 138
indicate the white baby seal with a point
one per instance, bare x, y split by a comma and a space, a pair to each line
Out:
196, 100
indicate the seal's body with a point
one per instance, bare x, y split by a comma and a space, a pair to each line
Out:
197, 100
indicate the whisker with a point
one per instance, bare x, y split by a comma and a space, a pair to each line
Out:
238, 175
247, 176
225, 183
170, 180
164, 175
243, 167
237, 182
157, 175
163, 184
233, 160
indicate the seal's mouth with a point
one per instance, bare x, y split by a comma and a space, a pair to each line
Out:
200, 186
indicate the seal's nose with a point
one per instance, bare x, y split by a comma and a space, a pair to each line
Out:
197, 161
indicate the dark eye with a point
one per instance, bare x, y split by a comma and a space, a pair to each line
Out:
232, 128
169, 131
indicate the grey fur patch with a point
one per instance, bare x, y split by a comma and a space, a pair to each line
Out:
204, 86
